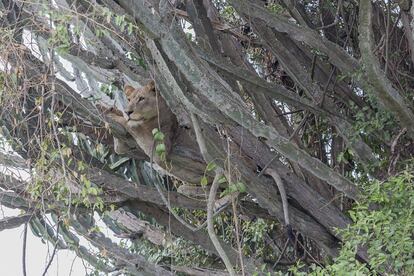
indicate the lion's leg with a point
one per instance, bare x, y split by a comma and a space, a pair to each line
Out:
120, 146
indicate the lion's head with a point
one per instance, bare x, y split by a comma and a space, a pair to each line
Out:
142, 104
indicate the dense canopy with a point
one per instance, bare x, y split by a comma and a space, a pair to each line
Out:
253, 136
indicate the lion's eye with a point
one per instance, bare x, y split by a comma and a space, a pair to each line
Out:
140, 99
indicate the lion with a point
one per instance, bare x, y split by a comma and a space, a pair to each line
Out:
145, 112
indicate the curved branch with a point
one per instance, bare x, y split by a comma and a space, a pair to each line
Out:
210, 225
212, 196
273, 173
382, 88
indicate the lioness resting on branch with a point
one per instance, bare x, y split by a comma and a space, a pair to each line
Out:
147, 110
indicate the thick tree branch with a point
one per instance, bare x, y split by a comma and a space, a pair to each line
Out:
13, 222
381, 86
337, 55
135, 264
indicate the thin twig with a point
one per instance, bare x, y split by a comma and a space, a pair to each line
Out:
71, 265
54, 250
336, 20
281, 254
289, 113
309, 254
313, 67
301, 125
326, 87
267, 165
233, 203
24, 249
236, 224
395, 155
387, 37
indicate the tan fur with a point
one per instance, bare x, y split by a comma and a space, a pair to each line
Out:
143, 104
143, 108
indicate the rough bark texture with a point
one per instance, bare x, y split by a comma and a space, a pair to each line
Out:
289, 87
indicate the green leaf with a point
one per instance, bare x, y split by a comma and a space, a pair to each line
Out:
204, 181
160, 149
93, 191
233, 188
225, 192
222, 179
211, 166
241, 187
159, 136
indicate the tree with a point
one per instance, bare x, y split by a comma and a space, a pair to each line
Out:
311, 97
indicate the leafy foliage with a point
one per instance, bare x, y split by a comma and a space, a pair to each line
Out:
384, 225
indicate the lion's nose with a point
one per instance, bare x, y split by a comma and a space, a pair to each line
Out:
129, 112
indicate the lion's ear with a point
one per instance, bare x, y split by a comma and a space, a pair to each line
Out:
150, 86
128, 90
